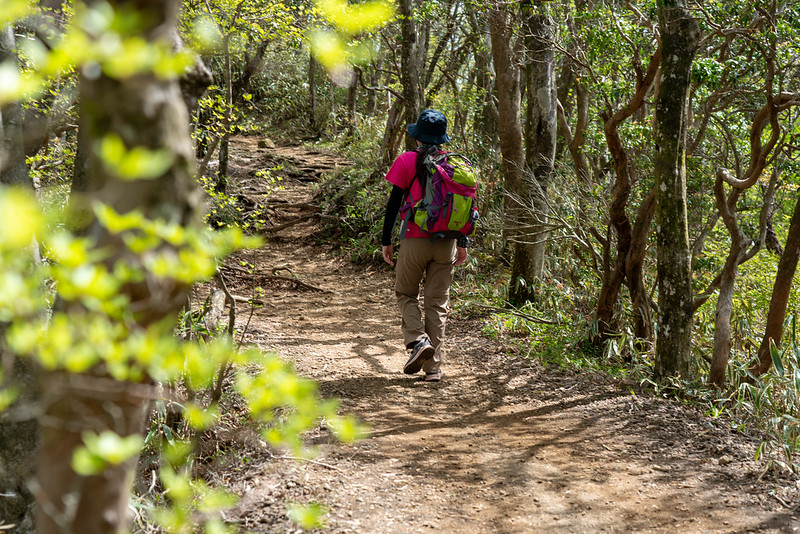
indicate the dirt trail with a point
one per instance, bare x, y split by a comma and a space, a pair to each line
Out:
500, 445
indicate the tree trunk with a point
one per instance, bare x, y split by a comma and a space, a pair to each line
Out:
410, 65
78, 210
13, 169
145, 111
392, 133
195, 81
634, 269
787, 266
541, 130
352, 94
571, 81
374, 79
18, 431
722, 318
332, 99
312, 93
224, 144
738, 253
759, 154
623, 269
19, 439
507, 71
251, 67
680, 38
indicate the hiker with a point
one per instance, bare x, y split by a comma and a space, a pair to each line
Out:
421, 255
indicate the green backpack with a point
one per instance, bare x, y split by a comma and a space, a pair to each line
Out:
448, 208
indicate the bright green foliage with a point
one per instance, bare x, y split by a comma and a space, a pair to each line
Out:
103, 450
337, 48
20, 219
357, 18
106, 335
771, 404
98, 39
275, 387
308, 516
200, 418
14, 85
226, 32
14, 10
188, 495
104, 36
224, 210
135, 164
95, 329
209, 24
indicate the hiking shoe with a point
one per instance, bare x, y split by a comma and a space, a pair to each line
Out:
435, 376
421, 353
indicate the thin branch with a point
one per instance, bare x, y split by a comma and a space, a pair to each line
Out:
201, 169
225, 366
376, 88
309, 460
513, 311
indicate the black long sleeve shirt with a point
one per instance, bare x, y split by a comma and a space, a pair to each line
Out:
392, 209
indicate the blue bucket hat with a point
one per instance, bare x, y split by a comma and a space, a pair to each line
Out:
430, 128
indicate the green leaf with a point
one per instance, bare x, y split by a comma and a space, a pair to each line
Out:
217, 526
328, 49
357, 18
309, 516
20, 217
14, 10
760, 450
102, 450
137, 163
15, 85
200, 418
215, 500
776, 357
7, 397
205, 34
86, 464
111, 447
348, 429
177, 452
178, 485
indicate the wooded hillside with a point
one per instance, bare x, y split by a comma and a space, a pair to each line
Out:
638, 197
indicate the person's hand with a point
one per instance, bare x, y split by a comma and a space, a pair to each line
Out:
461, 255
388, 254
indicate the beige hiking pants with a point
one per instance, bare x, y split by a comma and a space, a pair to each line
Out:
418, 258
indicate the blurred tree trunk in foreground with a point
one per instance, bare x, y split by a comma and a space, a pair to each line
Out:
146, 111
18, 434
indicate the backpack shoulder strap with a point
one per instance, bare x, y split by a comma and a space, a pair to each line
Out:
409, 213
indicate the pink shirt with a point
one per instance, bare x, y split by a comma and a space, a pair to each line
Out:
402, 175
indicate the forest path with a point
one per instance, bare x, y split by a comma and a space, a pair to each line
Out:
500, 445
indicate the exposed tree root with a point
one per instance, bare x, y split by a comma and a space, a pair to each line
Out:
293, 279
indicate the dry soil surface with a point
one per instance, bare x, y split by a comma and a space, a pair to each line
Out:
502, 444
